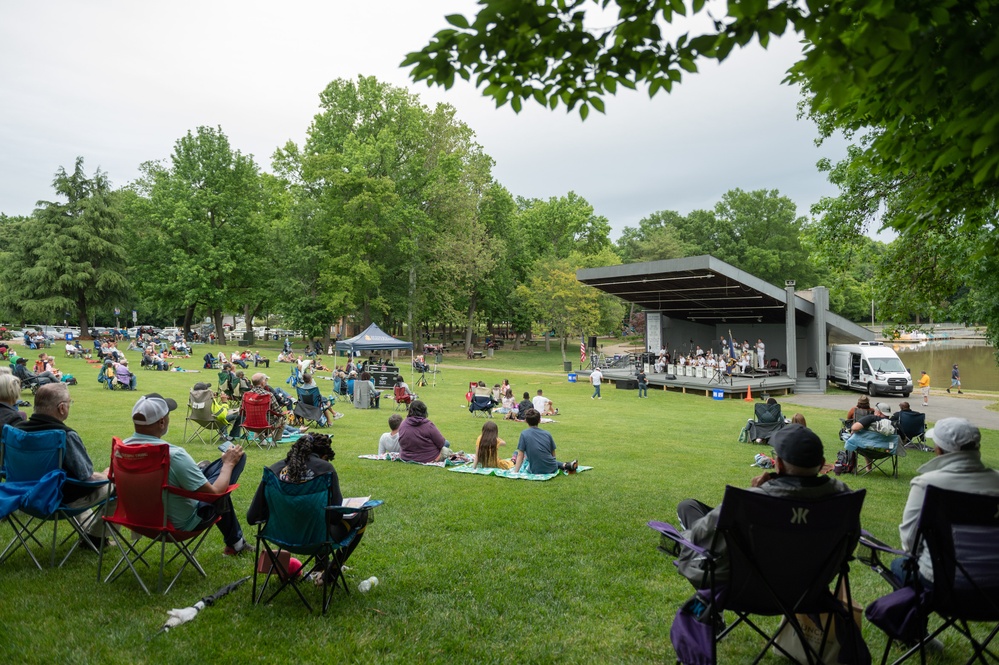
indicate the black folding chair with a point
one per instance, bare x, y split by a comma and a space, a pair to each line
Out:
768, 419
961, 531
783, 555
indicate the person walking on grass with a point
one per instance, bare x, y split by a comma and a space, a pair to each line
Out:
955, 380
924, 387
595, 378
643, 384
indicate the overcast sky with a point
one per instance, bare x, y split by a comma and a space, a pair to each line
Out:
119, 82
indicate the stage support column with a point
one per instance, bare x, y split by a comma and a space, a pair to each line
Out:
791, 332
820, 340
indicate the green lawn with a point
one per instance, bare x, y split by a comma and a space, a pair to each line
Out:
472, 568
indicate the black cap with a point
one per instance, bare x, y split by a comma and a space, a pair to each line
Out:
201, 385
798, 445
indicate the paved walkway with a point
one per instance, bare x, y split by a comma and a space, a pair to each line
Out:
941, 405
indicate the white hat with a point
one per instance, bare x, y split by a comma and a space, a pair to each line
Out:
955, 434
152, 408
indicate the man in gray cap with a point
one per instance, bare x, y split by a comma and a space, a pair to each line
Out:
151, 420
799, 458
957, 466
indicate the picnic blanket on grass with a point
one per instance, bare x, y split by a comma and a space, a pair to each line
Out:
460, 459
500, 473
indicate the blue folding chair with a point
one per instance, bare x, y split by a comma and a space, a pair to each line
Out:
877, 449
30, 461
299, 516
296, 377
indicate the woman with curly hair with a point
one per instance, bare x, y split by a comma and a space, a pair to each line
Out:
308, 458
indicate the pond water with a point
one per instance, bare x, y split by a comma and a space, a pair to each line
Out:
975, 359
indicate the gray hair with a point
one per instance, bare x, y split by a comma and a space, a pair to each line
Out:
10, 388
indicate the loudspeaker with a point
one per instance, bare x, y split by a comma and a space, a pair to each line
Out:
626, 384
592, 343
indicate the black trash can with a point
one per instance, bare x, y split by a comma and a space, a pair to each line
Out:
567, 366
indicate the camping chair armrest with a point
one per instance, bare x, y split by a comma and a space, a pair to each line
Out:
669, 532
347, 510
200, 496
868, 540
90, 484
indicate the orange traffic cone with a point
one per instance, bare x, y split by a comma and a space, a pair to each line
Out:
749, 394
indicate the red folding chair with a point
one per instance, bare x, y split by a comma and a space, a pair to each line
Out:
401, 396
255, 408
140, 474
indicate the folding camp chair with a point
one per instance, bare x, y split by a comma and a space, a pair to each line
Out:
309, 407
783, 555
140, 474
296, 376
255, 408
31, 466
402, 397
481, 404
961, 531
299, 519
228, 383
211, 362
878, 449
199, 412
767, 419
911, 428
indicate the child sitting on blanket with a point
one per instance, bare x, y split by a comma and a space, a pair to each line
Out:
389, 443
538, 447
486, 449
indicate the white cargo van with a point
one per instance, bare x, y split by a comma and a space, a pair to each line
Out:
870, 367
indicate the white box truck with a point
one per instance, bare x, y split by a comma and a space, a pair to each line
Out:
869, 367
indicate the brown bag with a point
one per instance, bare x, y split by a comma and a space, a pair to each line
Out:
814, 627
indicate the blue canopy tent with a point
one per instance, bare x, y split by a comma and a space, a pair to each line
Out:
375, 339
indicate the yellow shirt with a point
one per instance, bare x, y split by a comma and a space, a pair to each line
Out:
501, 463
924, 381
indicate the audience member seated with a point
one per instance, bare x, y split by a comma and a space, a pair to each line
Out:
799, 459
419, 438
537, 448
52, 406
307, 384
310, 457
544, 405
956, 465
389, 441
486, 449
260, 360
151, 421
524, 405
73, 350
508, 405
28, 378
10, 395
864, 404
123, 376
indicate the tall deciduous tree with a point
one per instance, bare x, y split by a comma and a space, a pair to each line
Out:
200, 228
69, 255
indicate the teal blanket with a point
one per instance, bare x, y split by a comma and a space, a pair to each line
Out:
500, 473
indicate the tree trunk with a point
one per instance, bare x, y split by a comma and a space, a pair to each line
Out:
188, 319
81, 309
562, 343
471, 318
219, 330
548, 341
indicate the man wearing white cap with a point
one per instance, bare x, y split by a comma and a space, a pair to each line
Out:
957, 466
151, 420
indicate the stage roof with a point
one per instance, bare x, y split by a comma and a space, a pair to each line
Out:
706, 290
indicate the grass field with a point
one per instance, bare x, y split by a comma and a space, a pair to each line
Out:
472, 568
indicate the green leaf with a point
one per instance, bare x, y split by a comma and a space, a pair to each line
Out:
457, 20
584, 110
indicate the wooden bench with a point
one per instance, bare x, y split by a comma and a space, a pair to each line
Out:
476, 354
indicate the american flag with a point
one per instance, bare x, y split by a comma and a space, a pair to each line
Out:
582, 349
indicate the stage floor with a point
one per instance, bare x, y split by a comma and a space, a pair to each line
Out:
735, 387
